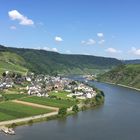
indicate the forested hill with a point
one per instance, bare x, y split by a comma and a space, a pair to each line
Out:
136, 61
41, 61
128, 75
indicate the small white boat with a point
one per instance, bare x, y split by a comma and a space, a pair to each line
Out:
9, 131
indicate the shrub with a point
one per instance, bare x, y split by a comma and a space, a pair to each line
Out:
102, 93
62, 112
53, 96
13, 125
75, 108
74, 96
87, 101
30, 122
83, 108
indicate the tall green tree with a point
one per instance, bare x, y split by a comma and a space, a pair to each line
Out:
62, 112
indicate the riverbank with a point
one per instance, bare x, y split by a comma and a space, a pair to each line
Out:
17, 122
121, 85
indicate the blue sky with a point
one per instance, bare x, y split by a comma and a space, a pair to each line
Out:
109, 28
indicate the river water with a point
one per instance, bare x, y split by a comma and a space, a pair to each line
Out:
117, 119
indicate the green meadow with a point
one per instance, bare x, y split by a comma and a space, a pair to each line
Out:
60, 94
10, 110
50, 101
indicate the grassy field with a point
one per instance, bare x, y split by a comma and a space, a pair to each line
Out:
13, 96
14, 91
10, 110
49, 101
60, 94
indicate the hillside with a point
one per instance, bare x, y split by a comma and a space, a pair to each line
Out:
41, 61
128, 75
13, 62
136, 61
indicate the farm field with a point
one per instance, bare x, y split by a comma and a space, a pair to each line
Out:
60, 94
49, 101
6, 97
10, 110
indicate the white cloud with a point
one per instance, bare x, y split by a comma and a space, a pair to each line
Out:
54, 50
86, 54
135, 51
50, 49
89, 42
100, 34
13, 27
68, 51
23, 20
58, 39
101, 41
113, 50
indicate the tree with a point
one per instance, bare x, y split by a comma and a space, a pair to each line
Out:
62, 112
18, 75
13, 75
87, 101
13, 125
74, 96
4, 74
73, 83
75, 108
102, 93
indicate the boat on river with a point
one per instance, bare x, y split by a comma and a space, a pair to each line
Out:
8, 131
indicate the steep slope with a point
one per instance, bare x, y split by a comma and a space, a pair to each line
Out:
11, 62
128, 75
41, 61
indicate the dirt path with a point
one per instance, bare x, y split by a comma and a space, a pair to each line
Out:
28, 118
35, 105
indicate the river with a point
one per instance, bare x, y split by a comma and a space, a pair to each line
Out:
117, 119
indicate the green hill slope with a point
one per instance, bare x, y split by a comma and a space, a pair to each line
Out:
41, 61
135, 61
128, 75
12, 62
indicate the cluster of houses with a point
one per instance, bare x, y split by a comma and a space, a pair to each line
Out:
41, 85
90, 77
9, 79
6, 81
82, 91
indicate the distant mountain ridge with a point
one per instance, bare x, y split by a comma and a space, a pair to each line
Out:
41, 61
136, 61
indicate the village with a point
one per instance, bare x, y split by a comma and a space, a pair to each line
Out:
42, 85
